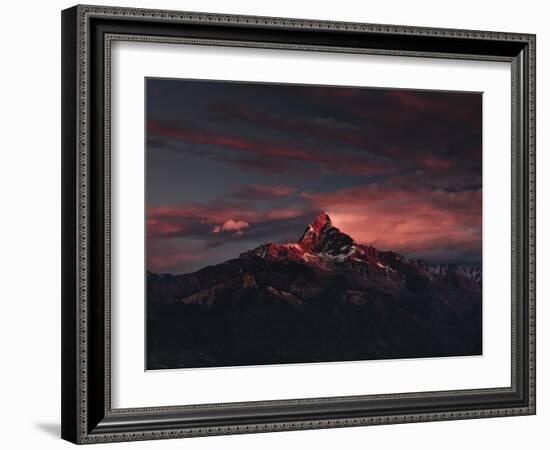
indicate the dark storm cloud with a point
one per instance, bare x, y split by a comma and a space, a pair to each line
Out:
272, 156
263, 192
404, 129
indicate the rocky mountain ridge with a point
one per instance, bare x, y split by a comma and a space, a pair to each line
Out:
321, 298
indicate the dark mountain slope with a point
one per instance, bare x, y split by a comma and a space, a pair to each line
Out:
323, 298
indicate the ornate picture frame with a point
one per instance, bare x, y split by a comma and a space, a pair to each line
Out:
88, 33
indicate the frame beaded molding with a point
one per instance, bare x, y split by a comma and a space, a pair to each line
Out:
84, 13
303, 425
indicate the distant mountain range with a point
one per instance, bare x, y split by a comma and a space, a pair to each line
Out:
322, 298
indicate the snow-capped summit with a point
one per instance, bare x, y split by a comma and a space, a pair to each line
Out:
312, 234
322, 237
320, 222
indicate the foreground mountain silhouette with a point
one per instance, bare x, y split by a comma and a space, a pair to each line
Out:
322, 298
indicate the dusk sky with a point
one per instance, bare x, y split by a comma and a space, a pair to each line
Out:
234, 165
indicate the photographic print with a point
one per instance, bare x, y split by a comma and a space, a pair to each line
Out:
295, 223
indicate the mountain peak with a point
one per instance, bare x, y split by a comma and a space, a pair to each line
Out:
322, 237
321, 221
312, 234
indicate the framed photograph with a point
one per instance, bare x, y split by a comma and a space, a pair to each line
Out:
279, 224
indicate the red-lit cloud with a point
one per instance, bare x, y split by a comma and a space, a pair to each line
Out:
273, 157
410, 222
236, 226
181, 236
231, 142
415, 221
194, 220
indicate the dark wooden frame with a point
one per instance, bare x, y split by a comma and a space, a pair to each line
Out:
87, 32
